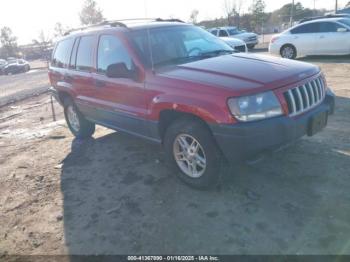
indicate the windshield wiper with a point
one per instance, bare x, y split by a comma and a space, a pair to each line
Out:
177, 60
216, 53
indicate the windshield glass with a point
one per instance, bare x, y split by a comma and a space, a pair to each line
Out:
345, 22
233, 31
177, 45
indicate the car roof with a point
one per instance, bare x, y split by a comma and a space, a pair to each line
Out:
124, 26
224, 27
333, 19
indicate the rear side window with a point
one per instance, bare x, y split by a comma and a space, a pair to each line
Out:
329, 27
306, 29
111, 51
223, 33
85, 59
214, 32
62, 53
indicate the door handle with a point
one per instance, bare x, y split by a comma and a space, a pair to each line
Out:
100, 83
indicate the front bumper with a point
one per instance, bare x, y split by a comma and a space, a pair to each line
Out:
274, 49
243, 141
251, 42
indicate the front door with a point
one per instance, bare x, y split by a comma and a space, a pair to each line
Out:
121, 100
333, 39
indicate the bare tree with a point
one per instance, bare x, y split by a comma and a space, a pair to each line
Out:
193, 16
8, 42
90, 13
44, 43
258, 13
232, 8
60, 30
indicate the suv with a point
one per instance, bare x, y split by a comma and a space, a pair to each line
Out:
251, 39
178, 85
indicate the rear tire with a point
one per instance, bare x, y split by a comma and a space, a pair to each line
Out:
198, 164
78, 125
250, 47
288, 51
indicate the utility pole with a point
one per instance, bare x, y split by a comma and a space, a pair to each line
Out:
336, 6
292, 14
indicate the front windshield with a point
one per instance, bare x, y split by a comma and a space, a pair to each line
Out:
345, 21
177, 45
234, 31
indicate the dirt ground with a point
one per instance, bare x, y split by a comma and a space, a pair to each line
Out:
114, 195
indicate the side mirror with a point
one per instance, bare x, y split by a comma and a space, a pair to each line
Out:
119, 70
342, 30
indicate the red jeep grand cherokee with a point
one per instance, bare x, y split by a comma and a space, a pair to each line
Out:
176, 84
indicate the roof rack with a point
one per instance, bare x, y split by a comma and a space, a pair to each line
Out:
119, 23
104, 23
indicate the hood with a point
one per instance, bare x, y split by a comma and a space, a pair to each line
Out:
234, 41
242, 73
244, 35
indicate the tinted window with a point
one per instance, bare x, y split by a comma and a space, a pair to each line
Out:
111, 51
62, 53
85, 57
223, 33
329, 27
305, 29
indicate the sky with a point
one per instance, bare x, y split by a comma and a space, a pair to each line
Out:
27, 18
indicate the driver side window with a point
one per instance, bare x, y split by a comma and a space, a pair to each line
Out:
223, 33
111, 51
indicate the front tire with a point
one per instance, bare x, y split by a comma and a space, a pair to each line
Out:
191, 151
288, 51
78, 125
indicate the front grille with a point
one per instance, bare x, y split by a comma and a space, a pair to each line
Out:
302, 98
240, 48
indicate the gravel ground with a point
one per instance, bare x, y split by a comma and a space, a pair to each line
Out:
113, 194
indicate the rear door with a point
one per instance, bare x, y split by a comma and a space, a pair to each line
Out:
304, 38
59, 65
333, 39
121, 100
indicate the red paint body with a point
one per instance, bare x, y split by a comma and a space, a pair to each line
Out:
201, 88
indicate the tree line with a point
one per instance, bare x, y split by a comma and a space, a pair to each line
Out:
257, 19
42, 44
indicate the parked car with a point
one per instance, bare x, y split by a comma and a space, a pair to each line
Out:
330, 36
16, 66
2, 65
251, 39
237, 44
204, 103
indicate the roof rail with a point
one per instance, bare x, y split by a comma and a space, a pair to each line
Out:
104, 23
116, 23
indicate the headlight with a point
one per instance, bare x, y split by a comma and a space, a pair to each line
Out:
255, 107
